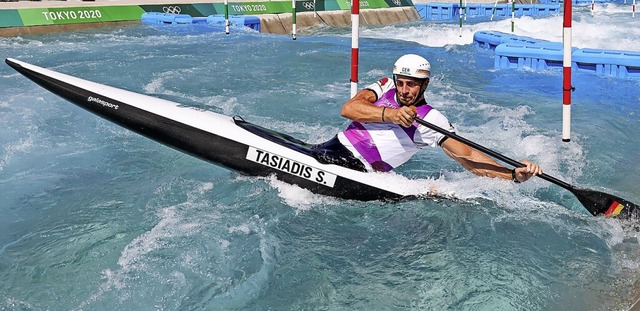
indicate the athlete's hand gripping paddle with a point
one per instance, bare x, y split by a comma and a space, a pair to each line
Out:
596, 202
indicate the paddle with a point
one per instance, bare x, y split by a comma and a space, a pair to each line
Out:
596, 202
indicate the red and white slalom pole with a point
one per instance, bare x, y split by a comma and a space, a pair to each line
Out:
566, 74
355, 33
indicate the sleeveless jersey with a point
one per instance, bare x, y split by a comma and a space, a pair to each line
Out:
383, 146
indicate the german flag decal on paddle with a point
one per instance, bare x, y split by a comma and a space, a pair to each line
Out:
614, 209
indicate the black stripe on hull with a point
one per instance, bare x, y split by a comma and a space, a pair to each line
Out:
196, 142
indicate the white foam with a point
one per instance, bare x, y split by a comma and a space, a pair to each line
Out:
134, 257
603, 31
299, 198
169, 225
15, 304
12, 148
250, 288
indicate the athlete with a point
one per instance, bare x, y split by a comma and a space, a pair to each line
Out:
383, 134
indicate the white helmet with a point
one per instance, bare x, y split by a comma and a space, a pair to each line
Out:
412, 65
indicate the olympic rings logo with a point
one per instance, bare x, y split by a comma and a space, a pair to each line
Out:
397, 2
308, 5
171, 9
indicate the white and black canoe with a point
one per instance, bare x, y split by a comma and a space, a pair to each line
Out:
227, 141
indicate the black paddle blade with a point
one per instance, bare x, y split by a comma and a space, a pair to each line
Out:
600, 203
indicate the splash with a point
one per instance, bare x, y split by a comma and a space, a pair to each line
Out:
605, 30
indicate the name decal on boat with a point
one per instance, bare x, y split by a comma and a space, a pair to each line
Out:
102, 102
290, 166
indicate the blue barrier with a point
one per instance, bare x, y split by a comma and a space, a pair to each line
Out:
215, 19
502, 10
526, 10
548, 9
491, 39
448, 11
539, 56
620, 64
437, 11
166, 18
474, 11
513, 51
199, 20
252, 22
421, 8
575, 2
588, 2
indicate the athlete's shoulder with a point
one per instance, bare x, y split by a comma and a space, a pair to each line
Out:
436, 117
381, 86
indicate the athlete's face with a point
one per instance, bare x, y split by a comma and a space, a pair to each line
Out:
409, 90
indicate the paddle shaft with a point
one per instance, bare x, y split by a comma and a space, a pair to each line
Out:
492, 153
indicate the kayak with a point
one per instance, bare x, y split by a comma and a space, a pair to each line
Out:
230, 142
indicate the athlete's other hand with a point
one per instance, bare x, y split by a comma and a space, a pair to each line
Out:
528, 171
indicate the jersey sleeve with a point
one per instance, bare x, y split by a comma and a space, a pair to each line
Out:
429, 137
380, 87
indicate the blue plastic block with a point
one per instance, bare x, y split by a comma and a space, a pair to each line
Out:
237, 20
620, 64
502, 11
588, 2
165, 18
548, 9
523, 40
540, 56
486, 8
199, 20
215, 19
526, 10
474, 10
252, 22
488, 39
421, 8
440, 11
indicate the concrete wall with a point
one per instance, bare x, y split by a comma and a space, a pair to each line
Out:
34, 30
281, 23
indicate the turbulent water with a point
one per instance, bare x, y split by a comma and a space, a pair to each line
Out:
94, 217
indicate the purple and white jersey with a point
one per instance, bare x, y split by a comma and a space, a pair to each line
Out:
383, 146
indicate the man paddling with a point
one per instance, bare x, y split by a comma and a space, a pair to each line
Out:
383, 134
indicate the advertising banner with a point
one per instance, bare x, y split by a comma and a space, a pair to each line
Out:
92, 14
